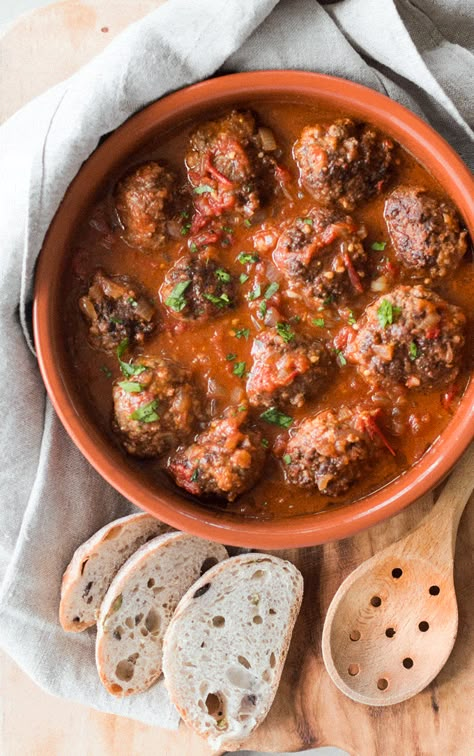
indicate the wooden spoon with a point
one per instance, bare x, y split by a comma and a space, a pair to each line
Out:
392, 624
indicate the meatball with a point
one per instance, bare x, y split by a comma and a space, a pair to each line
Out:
160, 413
330, 450
426, 232
116, 309
198, 288
143, 201
286, 368
322, 255
224, 461
409, 336
224, 165
343, 162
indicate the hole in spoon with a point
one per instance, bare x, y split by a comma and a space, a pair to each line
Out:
434, 590
397, 573
376, 600
353, 669
390, 632
382, 684
407, 663
423, 626
354, 635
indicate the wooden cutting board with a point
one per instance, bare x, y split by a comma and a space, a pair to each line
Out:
39, 50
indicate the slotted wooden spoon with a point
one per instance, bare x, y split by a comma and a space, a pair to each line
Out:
392, 624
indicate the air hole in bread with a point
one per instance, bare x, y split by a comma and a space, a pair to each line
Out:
144, 631
207, 564
113, 533
257, 620
214, 705
138, 618
125, 670
244, 662
151, 583
158, 589
218, 621
202, 590
240, 677
116, 689
118, 632
271, 611
272, 660
152, 621
244, 717
83, 565
266, 677
129, 622
76, 619
258, 575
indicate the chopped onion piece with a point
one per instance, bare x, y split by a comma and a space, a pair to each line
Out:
379, 284
268, 140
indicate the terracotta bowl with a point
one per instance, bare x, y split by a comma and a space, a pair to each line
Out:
424, 143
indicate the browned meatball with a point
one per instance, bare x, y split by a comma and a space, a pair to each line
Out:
426, 233
225, 165
116, 309
329, 451
322, 255
344, 161
198, 288
287, 368
410, 336
143, 200
224, 461
160, 413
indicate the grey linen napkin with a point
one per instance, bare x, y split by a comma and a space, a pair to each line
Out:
51, 499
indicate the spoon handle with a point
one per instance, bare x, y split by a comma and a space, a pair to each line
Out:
444, 518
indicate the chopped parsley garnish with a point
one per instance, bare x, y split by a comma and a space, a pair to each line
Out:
228, 229
131, 387
146, 413
220, 301
284, 330
286, 459
245, 258
239, 369
307, 221
203, 189
265, 443
195, 475
231, 356
193, 247
106, 370
242, 333
275, 417
184, 214
243, 278
318, 322
351, 319
271, 290
127, 369
379, 246
247, 223
185, 229
262, 309
329, 299
223, 275
413, 351
176, 299
133, 302
340, 359
255, 293
118, 321
387, 312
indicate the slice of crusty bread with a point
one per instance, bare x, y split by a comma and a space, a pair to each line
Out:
139, 604
226, 645
94, 564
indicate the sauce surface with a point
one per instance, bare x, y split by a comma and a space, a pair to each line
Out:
215, 350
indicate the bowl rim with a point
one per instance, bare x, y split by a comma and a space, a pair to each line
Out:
290, 532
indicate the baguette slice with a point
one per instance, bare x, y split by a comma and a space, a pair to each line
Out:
139, 604
226, 645
94, 564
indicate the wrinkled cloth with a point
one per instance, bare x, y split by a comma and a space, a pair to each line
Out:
415, 51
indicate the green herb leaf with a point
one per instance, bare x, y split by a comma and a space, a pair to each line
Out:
247, 223
122, 348
243, 278
106, 371
351, 319
413, 350
239, 369
286, 459
318, 322
329, 299
132, 387
242, 333
193, 247
228, 229
340, 359
195, 475
379, 246
231, 356
146, 413
245, 258
271, 290
203, 189
176, 301
222, 275
308, 221
127, 369
133, 302
262, 309
117, 321
265, 443
255, 293
284, 330
387, 312
185, 229
184, 214
275, 417
221, 301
